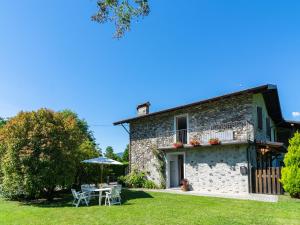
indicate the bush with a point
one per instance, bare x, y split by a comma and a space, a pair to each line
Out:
149, 184
40, 152
137, 179
291, 171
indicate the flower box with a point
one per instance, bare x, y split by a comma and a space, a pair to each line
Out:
195, 143
178, 145
214, 141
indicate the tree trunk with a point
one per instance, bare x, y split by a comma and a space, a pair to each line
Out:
50, 193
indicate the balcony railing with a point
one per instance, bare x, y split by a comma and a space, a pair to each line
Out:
237, 131
182, 136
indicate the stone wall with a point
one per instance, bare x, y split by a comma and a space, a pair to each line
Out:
217, 169
144, 131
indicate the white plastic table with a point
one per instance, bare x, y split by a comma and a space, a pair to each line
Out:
101, 190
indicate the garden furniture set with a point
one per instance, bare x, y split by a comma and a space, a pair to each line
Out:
110, 192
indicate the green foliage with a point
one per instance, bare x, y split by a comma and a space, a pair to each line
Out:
109, 153
149, 184
125, 156
137, 179
87, 173
83, 126
291, 171
41, 151
160, 165
122, 13
2, 122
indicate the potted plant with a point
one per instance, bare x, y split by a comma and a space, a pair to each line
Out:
184, 185
194, 142
214, 141
178, 144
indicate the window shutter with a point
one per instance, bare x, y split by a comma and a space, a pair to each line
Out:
259, 118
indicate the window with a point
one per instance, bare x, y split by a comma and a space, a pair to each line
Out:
268, 127
259, 118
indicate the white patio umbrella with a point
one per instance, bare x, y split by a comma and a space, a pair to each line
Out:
102, 161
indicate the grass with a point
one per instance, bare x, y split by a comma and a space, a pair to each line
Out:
153, 208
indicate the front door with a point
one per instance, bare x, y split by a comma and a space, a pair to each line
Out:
173, 175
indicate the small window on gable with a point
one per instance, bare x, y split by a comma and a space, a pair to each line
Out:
268, 127
259, 118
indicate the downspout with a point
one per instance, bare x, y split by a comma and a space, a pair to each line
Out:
129, 152
251, 142
249, 169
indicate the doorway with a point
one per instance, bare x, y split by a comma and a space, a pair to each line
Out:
176, 169
181, 129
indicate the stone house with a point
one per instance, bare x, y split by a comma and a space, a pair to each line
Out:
233, 143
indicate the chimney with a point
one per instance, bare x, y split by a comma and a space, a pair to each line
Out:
143, 109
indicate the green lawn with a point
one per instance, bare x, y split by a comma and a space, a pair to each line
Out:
154, 208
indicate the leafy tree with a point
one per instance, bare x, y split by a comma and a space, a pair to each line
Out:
121, 12
125, 157
87, 173
2, 122
82, 124
109, 153
42, 151
291, 171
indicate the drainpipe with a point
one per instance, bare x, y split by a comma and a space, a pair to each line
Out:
129, 153
249, 168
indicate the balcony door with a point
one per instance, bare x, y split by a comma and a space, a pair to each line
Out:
181, 126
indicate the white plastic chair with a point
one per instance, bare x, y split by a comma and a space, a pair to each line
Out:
113, 197
89, 188
79, 197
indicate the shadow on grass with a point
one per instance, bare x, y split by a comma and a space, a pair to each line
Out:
130, 195
65, 200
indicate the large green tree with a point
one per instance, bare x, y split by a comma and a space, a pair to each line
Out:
125, 156
41, 151
291, 171
87, 149
109, 153
121, 13
2, 122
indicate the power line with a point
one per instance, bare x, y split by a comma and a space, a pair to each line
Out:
101, 125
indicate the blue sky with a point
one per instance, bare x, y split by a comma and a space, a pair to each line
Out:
52, 55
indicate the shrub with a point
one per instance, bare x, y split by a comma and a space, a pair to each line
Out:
291, 171
137, 179
40, 152
149, 184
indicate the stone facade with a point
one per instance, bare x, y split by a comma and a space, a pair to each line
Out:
145, 133
217, 169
